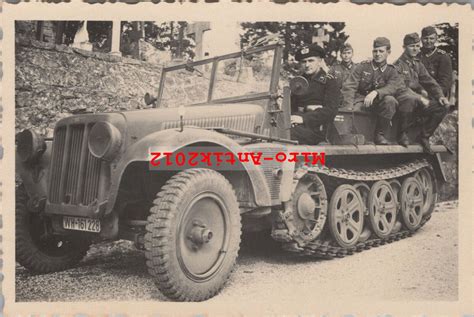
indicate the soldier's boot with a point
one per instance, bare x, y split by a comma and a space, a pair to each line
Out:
425, 143
382, 128
404, 124
429, 126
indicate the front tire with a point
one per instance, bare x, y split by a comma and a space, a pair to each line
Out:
36, 248
193, 235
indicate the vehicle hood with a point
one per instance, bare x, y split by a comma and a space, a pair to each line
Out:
243, 117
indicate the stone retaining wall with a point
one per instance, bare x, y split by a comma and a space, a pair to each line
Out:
53, 81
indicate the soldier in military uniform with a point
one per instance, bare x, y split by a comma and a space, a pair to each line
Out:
318, 106
421, 94
343, 68
372, 86
436, 61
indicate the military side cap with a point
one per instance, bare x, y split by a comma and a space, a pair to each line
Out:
312, 50
381, 41
427, 31
346, 47
411, 38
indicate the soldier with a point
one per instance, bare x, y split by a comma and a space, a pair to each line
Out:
318, 106
372, 85
421, 94
343, 68
436, 61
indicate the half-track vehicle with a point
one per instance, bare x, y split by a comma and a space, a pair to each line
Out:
104, 176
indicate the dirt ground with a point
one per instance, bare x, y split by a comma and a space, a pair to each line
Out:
422, 267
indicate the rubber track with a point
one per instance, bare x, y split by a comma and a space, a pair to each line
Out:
327, 248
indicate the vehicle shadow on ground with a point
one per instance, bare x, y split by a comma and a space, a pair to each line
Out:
258, 247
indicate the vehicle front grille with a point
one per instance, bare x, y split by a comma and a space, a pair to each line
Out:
75, 173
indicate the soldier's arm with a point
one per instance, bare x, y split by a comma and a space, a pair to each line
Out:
332, 72
349, 87
394, 83
429, 83
332, 93
294, 106
445, 73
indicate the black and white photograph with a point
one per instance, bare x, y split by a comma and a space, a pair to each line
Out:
266, 166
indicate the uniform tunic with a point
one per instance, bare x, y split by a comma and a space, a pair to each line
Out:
416, 79
438, 65
341, 71
367, 77
322, 91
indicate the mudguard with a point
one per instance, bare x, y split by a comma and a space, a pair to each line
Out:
35, 176
174, 139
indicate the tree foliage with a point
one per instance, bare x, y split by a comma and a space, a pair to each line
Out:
294, 35
166, 36
448, 41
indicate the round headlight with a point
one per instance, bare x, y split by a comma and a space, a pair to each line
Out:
104, 140
30, 146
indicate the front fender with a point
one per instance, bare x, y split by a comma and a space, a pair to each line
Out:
173, 140
34, 176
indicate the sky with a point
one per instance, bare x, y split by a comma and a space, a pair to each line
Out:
224, 36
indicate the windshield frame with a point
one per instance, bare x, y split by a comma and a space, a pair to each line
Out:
273, 87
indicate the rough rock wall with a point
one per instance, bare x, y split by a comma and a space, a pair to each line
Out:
53, 81
447, 134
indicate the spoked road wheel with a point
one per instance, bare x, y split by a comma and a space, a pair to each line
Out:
346, 215
37, 249
427, 181
193, 235
382, 209
310, 208
411, 201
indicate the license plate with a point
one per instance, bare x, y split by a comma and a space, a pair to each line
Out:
81, 224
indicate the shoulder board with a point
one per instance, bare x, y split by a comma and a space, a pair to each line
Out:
441, 51
397, 66
367, 61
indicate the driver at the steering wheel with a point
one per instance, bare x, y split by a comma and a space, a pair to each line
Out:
318, 105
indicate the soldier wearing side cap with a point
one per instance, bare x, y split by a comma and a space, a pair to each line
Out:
437, 62
342, 69
318, 106
372, 86
421, 94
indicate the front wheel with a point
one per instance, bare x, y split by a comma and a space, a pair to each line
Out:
37, 249
193, 235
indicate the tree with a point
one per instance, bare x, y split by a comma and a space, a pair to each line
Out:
170, 36
294, 35
448, 41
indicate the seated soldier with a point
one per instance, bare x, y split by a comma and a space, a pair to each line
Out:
372, 86
421, 94
436, 61
318, 106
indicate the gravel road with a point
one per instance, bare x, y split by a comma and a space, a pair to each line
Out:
422, 267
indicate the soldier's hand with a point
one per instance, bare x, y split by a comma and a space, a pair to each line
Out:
425, 101
444, 101
296, 120
369, 99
